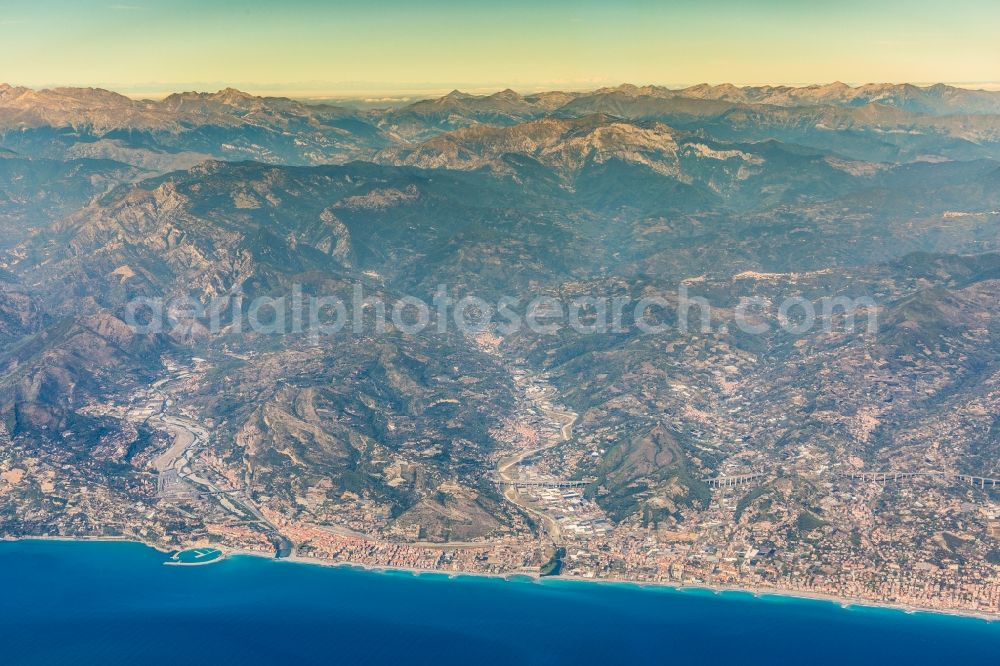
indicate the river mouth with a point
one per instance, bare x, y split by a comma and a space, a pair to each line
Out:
506, 468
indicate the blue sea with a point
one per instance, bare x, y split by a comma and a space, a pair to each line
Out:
115, 603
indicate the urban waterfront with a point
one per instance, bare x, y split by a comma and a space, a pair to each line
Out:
114, 602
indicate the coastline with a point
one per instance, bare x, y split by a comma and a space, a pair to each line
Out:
760, 593
845, 603
99, 539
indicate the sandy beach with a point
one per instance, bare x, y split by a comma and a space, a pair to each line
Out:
844, 602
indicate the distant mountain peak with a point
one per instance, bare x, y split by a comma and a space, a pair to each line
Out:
632, 90
7, 90
506, 94
233, 96
627, 88
231, 92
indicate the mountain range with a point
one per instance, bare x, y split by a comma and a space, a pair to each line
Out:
886, 192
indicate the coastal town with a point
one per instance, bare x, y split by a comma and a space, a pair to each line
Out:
908, 541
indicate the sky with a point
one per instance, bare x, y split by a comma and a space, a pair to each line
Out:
313, 47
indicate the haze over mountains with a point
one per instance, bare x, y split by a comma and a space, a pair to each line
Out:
231, 124
889, 192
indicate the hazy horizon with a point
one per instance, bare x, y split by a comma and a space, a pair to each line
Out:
342, 48
347, 91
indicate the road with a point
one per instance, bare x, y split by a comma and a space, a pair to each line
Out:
875, 477
566, 419
175, 476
